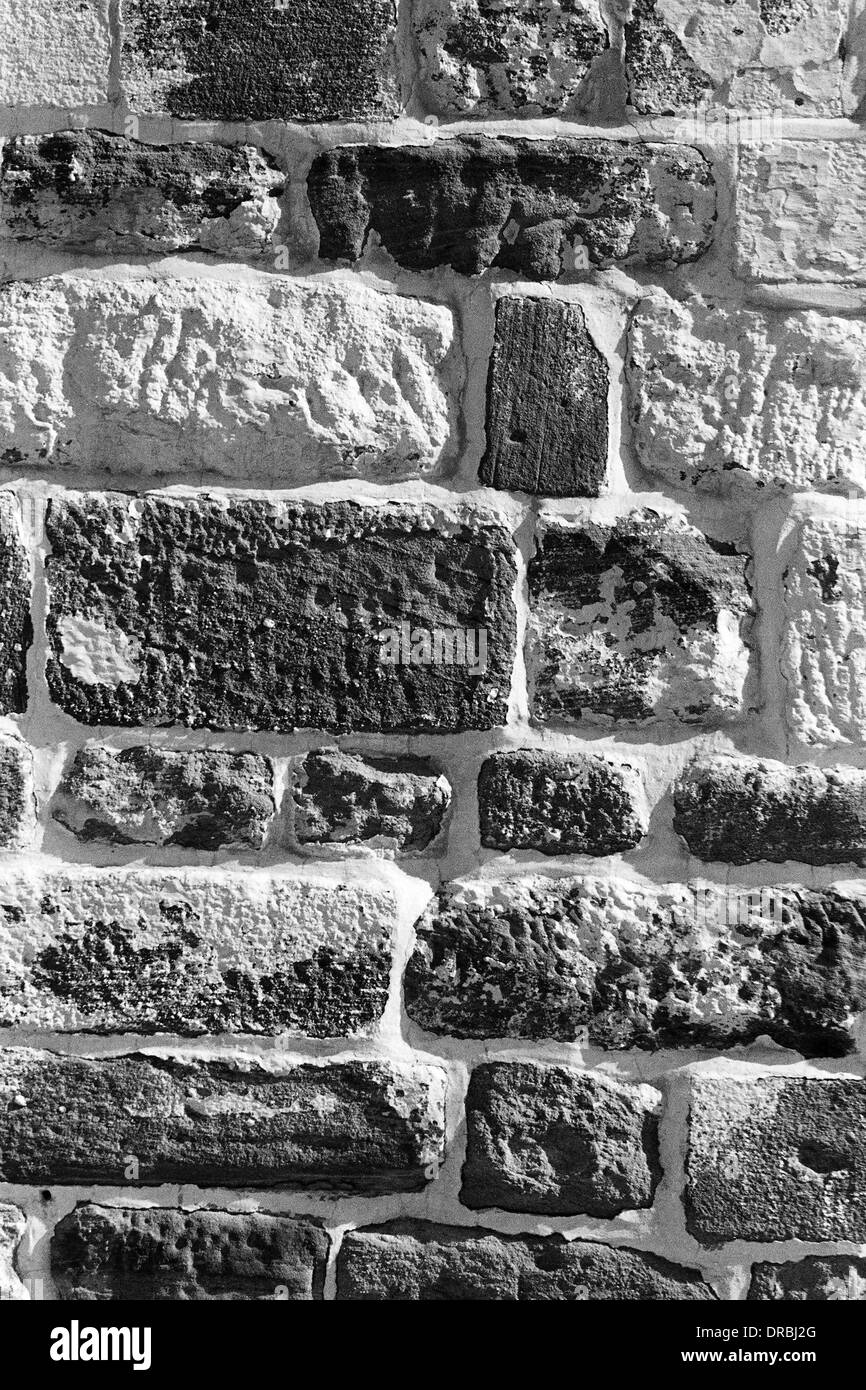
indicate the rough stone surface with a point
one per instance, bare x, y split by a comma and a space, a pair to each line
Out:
526, 57
740, 810
546, 401
16, 627
622, 965
16, 791
414, 1260
350, 798
477, 203
558, 1142
823, 660
206, 799
54, 52
263, 376
12, 1223
761, 55
308, 60
104, 194
640, 619
248, 614
797, 211
133, 1254
776, 1158
165, 951
817, 1279
717, 391
558, 804
355, 1126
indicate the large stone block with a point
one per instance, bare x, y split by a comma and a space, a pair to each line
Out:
352, 798
54, 52
559, 803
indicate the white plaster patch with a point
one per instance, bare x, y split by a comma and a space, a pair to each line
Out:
98, 654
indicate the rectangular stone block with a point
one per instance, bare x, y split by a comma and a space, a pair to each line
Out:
386, 802
640, 619
624, 965
17, 797
102, 194
421, 1262
308, 60
350, 1126
16, 627
817, 1279
478, 203
718, 393
260, 377
776, 1158
558, 1142
254, 614
560, 804
546, 401
190, 952
54, 52
140, 1254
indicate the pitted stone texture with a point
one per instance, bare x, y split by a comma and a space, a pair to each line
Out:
16, 627
308, 60
419, 1261
206, 799
560, 804
741, 810
478, 203
54, 52
105, 195
640, 619
776, 1158
798, 211
354, 798
823, 660
623, 965
12, 1224
719, 392
498, 57
757, 55
16, 792
146, 1255
264, 377
558, 1142
817, 1279
546, 401
352, 1126
246, 614
201, 951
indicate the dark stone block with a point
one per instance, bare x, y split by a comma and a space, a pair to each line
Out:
347, 798
557, 804
662, 77
16, 628
817, 1279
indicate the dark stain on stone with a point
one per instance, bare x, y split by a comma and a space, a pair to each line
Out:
826, 572
662, 77
16, 627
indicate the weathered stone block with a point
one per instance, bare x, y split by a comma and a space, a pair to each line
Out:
797, 211
12, 1225
358, 1126
16, 791
16, 627
776, 1158
274, 615
263, 376
152, 1254
311, 60
823, 660
817, 1279
200, 951
546, 401
558, 1142
54, 52
350, 798
414, 1260
627, 965
477, 203
560, 804
490, 57
206, 799
757, 55
640, 619
740, 810
719, 392
102, 194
